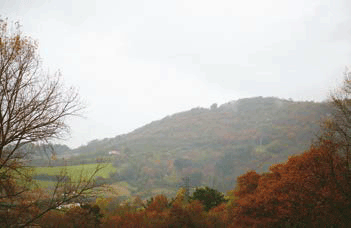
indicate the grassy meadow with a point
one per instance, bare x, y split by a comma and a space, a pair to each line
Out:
75, 172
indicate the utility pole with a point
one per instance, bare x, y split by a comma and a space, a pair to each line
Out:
187, 188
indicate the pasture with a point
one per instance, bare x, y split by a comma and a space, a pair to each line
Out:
75, 172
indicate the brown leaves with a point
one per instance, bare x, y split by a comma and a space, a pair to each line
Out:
158, 204
307, 190
247, 183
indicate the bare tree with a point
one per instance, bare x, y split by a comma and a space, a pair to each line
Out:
33, 105
33, 108
338, 126
337, 130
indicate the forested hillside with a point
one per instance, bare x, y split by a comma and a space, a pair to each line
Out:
211, 146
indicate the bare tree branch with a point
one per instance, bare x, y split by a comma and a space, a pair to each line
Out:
337, 129
34, 106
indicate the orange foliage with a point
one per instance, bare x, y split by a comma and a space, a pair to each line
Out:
218, 216
159, 203
308, 190
74, 217
130, 220
161, 214
247, 183
53, 219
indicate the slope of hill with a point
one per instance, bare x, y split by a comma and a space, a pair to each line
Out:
210, 146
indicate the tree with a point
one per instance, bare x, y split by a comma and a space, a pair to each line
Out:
158, 204
208, 197
34, 106
303, 192
86, 216
337, 128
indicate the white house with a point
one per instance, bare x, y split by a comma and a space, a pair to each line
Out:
114, 152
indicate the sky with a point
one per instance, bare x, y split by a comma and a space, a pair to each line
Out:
136, 61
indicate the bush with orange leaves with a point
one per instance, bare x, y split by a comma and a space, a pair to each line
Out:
309, 190
84, 216
160, 213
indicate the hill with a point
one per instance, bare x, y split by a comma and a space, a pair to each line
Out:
209, 146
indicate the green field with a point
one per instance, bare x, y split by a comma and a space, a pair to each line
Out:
75, 172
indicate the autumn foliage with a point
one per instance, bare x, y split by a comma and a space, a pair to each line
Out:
86, 216
309, 190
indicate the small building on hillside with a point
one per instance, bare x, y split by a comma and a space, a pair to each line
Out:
114, 152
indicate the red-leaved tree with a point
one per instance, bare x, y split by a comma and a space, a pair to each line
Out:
306, 191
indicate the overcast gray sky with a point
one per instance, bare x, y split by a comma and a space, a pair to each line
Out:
136, 61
